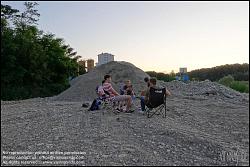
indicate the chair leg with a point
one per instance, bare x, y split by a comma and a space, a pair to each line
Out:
161, 109
147, 111
165, 111
153, 113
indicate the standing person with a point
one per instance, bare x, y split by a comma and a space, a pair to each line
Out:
116, 97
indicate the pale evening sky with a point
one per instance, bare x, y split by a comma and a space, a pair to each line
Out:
160, 36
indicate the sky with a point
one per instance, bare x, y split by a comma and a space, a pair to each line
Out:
155, 36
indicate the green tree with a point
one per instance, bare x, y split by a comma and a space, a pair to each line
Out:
33, 64
238, 71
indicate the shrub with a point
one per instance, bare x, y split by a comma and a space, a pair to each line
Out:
226, 80
240, 86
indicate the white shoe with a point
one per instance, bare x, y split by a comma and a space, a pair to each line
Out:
141, 112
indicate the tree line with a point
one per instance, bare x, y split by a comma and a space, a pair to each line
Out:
33, 63
240, 72
162, 76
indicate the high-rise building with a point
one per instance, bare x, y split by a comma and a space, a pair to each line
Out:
90, 64
183, 74
183, 70
104, 58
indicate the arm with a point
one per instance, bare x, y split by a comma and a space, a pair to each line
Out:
168, 93
108, 87
143, 93
147, 94
114, 92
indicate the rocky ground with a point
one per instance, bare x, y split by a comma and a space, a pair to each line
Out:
206, 124
197, 131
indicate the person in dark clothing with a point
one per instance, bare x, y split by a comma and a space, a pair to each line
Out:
128, 88
145, 96
146, 79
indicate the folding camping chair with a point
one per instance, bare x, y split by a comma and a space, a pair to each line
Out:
107, 102
156, 102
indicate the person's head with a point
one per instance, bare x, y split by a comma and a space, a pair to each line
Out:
152, 81
107, 78
127, 82
146, 79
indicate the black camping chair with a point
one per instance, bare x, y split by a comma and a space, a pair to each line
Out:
156, 102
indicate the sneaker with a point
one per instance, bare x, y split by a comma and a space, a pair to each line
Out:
123, 108
118, 110
140, 111
85, 105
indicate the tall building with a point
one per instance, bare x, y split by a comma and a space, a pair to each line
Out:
104, 58
90, 64
183, 70
183, 74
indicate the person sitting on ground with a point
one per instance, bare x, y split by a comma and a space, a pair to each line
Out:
116, 97
144, 99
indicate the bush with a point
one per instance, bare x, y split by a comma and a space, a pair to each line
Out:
227, 80
240, 86
17, 93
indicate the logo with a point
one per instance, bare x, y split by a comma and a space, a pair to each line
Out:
158, 91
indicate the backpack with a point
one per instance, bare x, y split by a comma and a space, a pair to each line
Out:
95, 105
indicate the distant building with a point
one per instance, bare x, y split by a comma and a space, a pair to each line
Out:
90, 64
104, 58
183, 74
183, 70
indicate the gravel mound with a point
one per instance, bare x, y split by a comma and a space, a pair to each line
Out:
83, 87
206, 88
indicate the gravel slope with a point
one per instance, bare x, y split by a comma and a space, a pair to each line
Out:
205, 121
195, 132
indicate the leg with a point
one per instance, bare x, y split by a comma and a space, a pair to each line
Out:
142, 103
129, 103
124, 98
